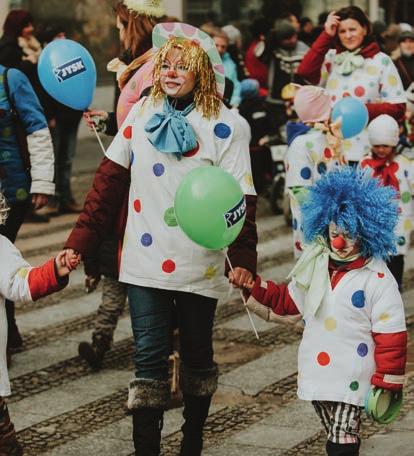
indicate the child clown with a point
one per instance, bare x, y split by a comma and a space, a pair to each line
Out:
395, 170
313, 148
355, 334
20, 282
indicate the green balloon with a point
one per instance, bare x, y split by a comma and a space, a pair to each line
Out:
210, 207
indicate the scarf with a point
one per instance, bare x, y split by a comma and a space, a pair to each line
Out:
348, 61
170, 132
311, 273
385, 170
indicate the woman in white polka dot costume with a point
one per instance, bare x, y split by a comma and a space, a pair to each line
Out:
395, 170
355, 335
180, 126
346, 60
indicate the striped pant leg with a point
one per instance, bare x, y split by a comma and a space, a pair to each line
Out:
9, 446
342, 421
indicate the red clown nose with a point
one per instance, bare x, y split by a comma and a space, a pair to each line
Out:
338, 243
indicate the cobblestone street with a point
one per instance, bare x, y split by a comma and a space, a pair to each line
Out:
62, 408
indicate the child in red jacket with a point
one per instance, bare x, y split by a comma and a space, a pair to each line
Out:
355, 334
20, 282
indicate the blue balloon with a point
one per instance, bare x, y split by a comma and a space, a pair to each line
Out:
68, 73
354, 116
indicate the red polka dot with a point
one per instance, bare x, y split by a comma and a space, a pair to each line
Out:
323, 359
381, 275
137, 205
298, 246
191, 153
168, 266
333, 97
328, 67
359, 91
128, 132
346, 94
327, 152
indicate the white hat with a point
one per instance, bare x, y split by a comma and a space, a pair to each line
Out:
147, 7
232, 32
383, 131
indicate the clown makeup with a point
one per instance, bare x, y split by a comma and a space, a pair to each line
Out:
351, 34
341, 243
175, 79
383, 151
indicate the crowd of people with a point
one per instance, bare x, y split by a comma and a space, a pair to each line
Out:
190, 97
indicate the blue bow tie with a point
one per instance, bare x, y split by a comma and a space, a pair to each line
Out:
170, 132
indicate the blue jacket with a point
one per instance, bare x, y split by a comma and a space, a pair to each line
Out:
230, 71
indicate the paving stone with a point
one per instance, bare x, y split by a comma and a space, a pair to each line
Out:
241, 450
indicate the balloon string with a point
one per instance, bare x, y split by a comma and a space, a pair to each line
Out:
99, 139
244, 301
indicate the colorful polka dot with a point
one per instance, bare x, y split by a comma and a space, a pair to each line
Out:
168, 266
408, 225
222, 131
323, 359
192, 152
392, 80
385, 316
372, 70
128, 132
358, 299
347, 144
322, 168
137, 205
169, 217
362, 349
380, 275
385, 61
158, 169
327, 153
248, 179
133, 85
354, 386
333, 84
406, 197
23, 272
294, 224
210, 272
359, 91
298, 246
146, 239
309, 144
21, 194
401, 241
132, 158
330, 324
346, 94
305, 173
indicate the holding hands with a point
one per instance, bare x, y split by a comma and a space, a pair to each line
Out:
66, 261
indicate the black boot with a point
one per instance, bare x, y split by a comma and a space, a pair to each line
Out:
342, 449
94, 353
146, 432
14, 339
198, 386
147, 400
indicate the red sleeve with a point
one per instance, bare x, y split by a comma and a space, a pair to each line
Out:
395, 110
310, 67
242, 252
390, 358
276, 297
44, 280
102, 205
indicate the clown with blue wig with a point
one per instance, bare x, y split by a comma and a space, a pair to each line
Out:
354, 337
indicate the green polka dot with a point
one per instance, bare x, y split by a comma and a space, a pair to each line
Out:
169, 217
385, 61
6, 132
406, 197
354, 386
401, 240
6, 155
309, 144
133, 85
371, 84
21, 194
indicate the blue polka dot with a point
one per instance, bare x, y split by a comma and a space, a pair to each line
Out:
222, 130
305, 173
321, 168
294, 224
132, 158
304, 322
358, 299
406, 173
301, 228
362, 349
158, 169
146, 239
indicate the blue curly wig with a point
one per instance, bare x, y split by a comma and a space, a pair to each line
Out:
357, 203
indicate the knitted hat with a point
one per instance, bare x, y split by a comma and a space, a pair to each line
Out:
408, 34
232, 32
148, 7
249, 88
312, 104
384, 131
282, 31
356, 203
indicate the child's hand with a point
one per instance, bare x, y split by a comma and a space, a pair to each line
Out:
249, 284
239, 276
66, 261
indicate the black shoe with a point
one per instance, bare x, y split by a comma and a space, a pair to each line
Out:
91, 354
14, 339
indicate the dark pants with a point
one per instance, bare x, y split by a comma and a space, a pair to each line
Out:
152, 319
396, 266
9, 230
8, 441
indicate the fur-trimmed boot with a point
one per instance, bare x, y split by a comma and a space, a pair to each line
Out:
94, 353
147, 400
342, 449
198, 386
